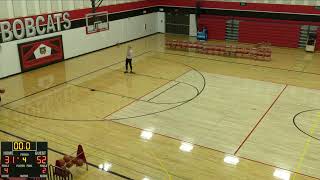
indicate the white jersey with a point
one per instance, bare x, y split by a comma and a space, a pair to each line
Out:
130, 54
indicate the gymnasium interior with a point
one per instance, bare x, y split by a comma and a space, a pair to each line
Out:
218, 89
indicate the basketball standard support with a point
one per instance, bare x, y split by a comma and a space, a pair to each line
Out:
95, 4
198, 12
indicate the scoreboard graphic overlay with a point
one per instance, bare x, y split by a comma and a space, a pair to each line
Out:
40, 53
24, 159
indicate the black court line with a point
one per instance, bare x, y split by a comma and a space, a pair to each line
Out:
122, 118
140, 99
115, 120
300, 129
175, 80
133, 98
104, 151
58, 152
72, 79
231, 62
149, 100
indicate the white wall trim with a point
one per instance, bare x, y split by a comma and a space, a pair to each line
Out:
10, 8
193, 25
37, 6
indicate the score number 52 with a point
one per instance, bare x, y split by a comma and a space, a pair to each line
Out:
41, 160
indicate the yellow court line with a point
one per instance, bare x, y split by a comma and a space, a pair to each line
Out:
161, 165
306, 146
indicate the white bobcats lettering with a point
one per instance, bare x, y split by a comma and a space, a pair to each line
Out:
67, 22
29, 27
39, 20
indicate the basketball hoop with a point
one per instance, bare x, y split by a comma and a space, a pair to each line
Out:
97, 22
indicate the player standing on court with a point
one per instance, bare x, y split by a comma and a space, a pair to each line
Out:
1, 92
129, 59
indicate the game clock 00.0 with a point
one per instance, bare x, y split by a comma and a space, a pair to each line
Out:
24, 159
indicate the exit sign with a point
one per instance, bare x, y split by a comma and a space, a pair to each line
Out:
243, 3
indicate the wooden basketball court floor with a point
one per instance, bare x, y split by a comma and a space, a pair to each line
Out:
264, 113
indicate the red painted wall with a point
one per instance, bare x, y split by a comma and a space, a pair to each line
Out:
250, 6
188, 3
262, 7
80, 13
278, 21
275, 33
252, 30
318, 40
278, 32
216, 25
205, 4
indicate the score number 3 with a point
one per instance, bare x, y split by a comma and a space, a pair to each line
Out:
7, 159
41, 159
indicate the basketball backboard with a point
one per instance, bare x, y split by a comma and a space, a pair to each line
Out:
97, 22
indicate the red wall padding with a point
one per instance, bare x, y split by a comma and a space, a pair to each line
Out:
287, 8
251, 30
275, 33
318, 40
303, 9
216, 26
278, 21
188, 3
80, 13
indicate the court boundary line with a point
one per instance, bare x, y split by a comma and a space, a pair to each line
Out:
205, 147
256, 65
260, 120
121, 118
61, 153
306, 146
128, 97
94, 51
216, 150
149, 100
178, 82
107, 152
65, 82
259, 162
140, 98
269, 81
150, 93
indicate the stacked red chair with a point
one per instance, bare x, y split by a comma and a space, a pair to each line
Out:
261, 51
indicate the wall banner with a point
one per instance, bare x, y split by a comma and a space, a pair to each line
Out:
40, 53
